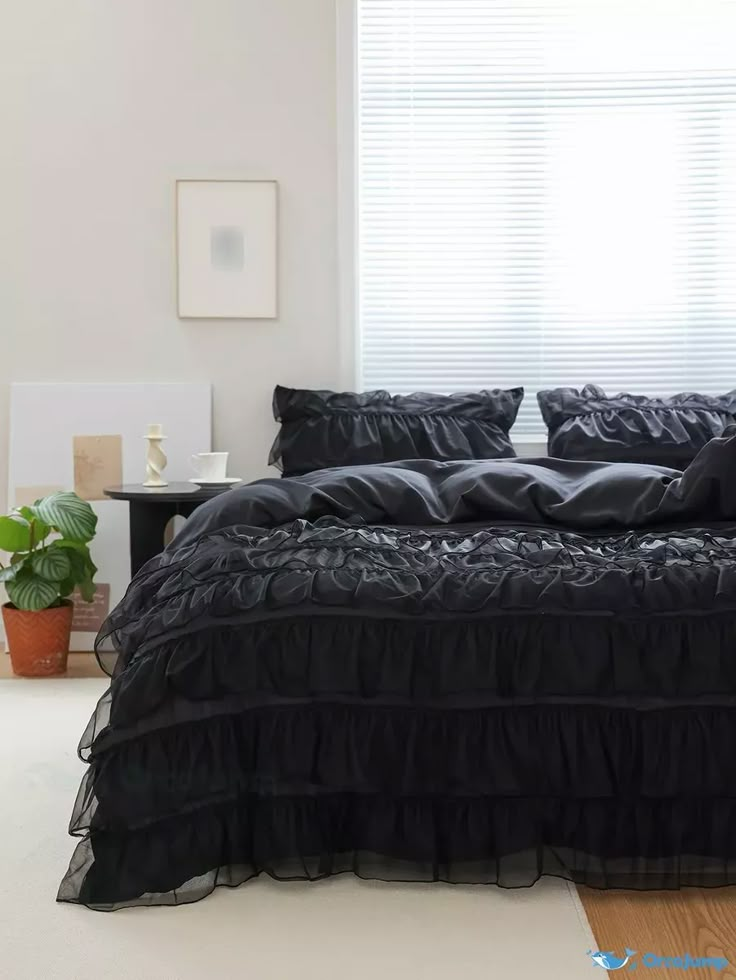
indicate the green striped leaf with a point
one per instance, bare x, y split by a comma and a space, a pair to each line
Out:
80, 559
52, 564
15, 533
69, 514
29, 591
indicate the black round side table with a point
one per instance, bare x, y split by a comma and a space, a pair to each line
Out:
151, 509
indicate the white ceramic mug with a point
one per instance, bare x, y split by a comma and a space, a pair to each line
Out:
210, 466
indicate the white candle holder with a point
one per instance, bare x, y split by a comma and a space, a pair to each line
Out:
155, 456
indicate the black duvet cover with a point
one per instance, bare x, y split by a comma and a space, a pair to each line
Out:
475, 671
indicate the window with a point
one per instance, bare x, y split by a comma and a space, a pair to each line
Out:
547, 195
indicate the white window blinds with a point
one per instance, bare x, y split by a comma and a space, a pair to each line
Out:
547, 195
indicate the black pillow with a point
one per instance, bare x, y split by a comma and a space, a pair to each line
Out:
320, 429
589, 424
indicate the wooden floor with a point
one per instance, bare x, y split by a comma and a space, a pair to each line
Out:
698, 921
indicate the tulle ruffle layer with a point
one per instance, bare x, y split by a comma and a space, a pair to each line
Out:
442, 663
566, 750
625, 843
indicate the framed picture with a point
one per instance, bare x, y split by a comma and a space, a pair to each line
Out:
227, 249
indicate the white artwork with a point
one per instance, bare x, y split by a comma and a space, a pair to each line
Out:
227, 244
84, 437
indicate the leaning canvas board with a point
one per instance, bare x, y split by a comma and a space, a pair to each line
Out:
84, 437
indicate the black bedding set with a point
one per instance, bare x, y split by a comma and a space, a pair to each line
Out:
480, 671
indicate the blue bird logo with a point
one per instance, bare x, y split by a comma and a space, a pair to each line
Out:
609, 961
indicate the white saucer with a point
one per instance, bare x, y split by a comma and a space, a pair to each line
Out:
227, 481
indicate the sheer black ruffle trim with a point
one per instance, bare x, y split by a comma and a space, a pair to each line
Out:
511, 842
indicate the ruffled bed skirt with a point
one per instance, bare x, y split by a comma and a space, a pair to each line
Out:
603, 794
509, 842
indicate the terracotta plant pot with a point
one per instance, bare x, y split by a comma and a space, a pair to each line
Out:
38, 641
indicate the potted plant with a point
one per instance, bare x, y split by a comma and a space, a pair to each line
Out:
48, 545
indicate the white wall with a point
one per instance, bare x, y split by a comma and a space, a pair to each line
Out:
103, 104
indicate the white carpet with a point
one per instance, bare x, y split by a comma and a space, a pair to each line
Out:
342, 928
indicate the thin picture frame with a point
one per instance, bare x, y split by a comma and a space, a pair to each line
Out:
227, 249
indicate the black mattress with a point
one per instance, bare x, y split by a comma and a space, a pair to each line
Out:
476, 672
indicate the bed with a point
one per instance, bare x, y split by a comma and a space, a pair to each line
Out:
477, 671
